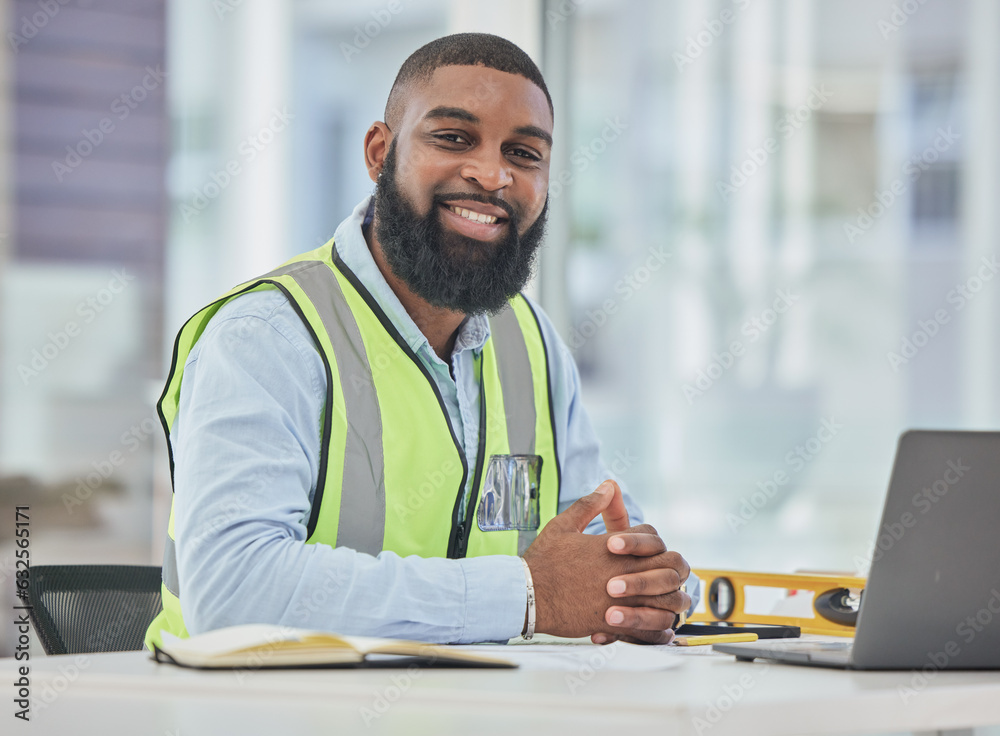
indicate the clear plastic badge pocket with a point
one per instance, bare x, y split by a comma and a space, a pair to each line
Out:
510, 494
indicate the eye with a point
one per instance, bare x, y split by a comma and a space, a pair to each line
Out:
450, 138
524, 154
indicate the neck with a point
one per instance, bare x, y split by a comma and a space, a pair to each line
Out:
439, 325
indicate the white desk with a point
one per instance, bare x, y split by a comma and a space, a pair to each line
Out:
129, 694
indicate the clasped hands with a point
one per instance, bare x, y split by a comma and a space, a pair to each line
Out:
623, 585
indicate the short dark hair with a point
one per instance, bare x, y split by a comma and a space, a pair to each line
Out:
463, 49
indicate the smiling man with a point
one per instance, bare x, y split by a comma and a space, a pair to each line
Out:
383, 436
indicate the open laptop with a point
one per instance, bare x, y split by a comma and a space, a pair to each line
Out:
933, 593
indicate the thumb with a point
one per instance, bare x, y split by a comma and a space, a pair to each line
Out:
581, 513
616, 515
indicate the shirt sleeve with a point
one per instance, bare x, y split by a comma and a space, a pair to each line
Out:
579, 449
246, 450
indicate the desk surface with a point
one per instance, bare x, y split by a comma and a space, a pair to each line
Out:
127, 693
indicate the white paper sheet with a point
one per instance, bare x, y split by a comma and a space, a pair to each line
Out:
572, 657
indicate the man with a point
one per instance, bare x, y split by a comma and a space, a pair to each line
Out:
336, 425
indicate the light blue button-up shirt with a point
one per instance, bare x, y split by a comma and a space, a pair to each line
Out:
246, 448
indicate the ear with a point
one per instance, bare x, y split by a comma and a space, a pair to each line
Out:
377, 141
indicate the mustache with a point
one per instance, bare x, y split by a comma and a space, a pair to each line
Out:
476, 197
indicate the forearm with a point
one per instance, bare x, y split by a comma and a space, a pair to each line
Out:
314, 586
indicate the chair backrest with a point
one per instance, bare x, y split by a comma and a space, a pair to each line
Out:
79, 609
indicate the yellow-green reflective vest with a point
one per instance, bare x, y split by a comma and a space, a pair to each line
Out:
392, 470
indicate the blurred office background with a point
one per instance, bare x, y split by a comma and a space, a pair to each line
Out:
772, 244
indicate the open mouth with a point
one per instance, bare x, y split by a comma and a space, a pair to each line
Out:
474, 219
474, 216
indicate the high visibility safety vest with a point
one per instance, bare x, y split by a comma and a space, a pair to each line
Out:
392, 470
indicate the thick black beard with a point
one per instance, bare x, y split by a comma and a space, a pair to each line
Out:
445, 268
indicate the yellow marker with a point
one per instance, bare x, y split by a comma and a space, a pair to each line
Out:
695, 641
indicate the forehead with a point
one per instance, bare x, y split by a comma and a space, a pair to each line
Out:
495, 97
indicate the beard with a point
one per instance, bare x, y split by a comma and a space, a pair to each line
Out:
443, 267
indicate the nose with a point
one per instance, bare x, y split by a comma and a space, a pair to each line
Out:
490, 170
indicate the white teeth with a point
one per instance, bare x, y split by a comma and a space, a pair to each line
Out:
474, 216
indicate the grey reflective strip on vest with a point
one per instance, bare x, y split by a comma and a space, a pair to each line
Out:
518, 387
170, 579
516, 381
362, 495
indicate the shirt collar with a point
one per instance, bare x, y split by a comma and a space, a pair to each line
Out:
353, 250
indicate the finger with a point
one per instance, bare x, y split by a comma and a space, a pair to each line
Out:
603, 637
682, 567
651, 582
643, 529
637, 636
616, 515
646, 637
674, 602
580, 514
640, 617
640, 545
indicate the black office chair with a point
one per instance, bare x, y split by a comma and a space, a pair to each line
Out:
80, 609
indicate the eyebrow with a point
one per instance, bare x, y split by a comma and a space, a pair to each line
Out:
458, 113
452, 112
535, 132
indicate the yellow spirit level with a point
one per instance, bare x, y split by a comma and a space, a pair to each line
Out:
726, 599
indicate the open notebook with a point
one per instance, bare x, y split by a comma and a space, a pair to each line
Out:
254, 646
